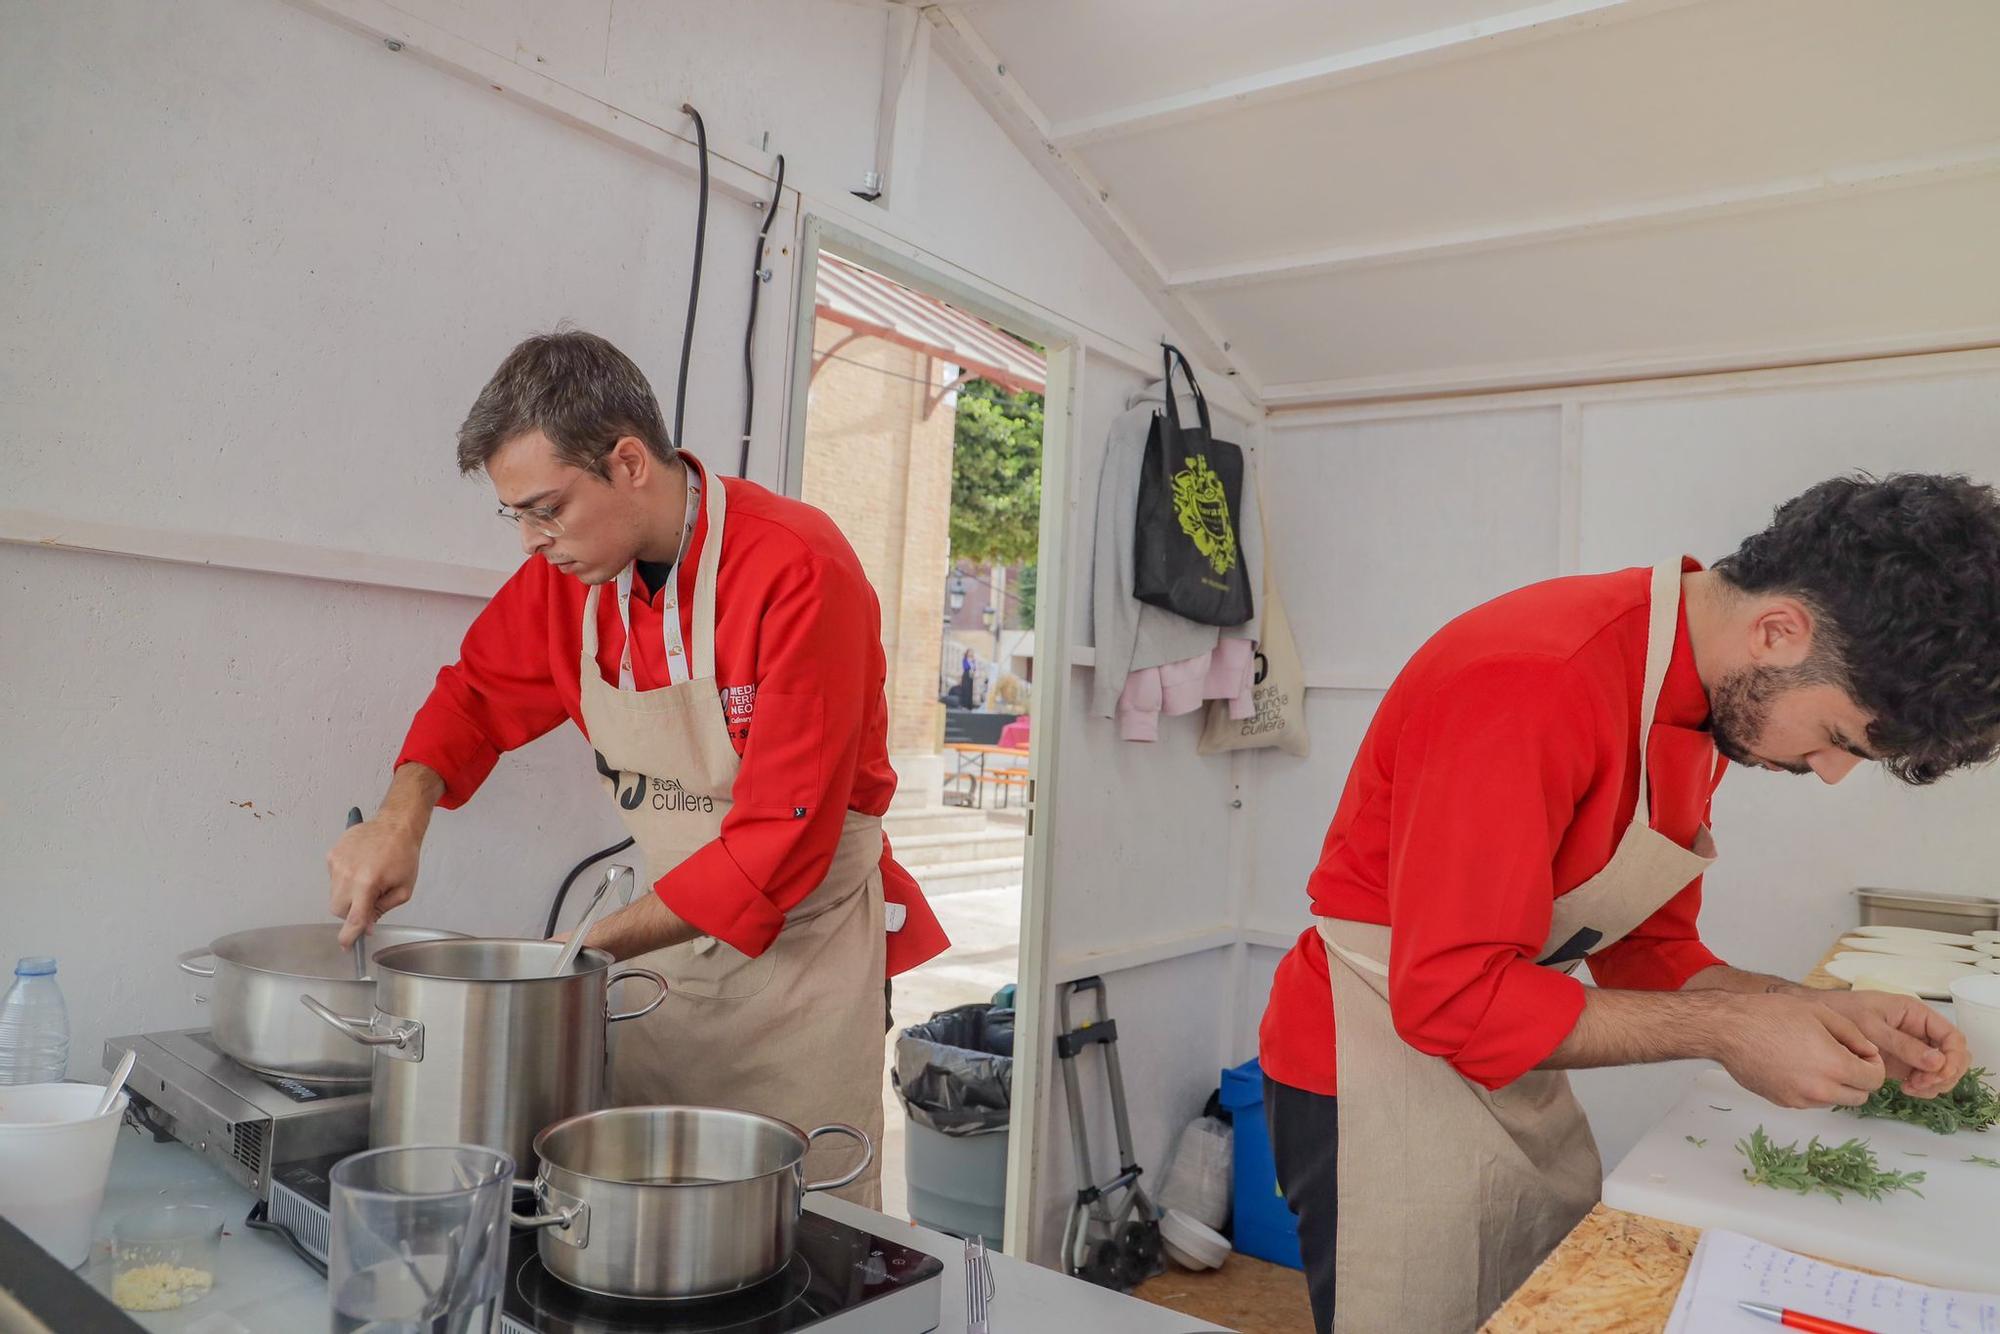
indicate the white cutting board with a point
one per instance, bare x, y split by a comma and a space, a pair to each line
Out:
1951, 1237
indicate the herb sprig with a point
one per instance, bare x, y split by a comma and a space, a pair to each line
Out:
1970, 1105
1829, 1169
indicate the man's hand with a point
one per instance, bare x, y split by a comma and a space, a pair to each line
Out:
373, 867
1919, 1047
1797, 1051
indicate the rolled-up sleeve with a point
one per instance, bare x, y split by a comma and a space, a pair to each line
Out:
819, 659
1501, 753
497, 697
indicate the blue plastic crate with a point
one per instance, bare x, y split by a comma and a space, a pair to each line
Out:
1265, 1227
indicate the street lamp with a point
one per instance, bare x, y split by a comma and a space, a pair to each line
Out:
955, 593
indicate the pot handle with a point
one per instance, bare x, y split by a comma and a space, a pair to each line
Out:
187, 961
361, 1031
646, 1009
569, 1215
867, 1155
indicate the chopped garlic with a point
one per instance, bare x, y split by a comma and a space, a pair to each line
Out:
160, 1287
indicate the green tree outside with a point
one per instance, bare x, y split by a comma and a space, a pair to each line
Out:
996, 481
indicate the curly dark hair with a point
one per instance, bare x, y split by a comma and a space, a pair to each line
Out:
1902, 574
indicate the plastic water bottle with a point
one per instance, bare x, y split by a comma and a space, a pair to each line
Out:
34, 1026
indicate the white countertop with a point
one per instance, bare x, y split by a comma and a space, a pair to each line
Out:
261, 1286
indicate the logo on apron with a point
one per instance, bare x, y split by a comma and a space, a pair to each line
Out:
662, 794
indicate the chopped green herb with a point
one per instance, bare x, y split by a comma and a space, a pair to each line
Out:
1970, 1105
1713, 1108
1912, 1153
1829, 1169
1698, 1143
1984, 1161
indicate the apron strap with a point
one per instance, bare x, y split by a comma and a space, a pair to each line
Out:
1662, 620
703, 658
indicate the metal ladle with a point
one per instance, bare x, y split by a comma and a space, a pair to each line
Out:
588, 920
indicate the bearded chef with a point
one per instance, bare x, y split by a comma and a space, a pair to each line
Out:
1534, 793
721, 648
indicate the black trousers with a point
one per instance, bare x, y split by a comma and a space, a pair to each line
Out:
1305, 1140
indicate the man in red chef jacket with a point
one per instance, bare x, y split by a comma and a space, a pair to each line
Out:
1534, 793
721, 648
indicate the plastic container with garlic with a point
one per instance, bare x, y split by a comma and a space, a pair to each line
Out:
165, 1258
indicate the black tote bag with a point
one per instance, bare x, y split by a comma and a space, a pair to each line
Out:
1186, 553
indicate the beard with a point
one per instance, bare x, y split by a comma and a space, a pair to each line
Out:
1740, 706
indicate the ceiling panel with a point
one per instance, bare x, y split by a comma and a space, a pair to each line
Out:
1662, 108
1078, 58
1865, 268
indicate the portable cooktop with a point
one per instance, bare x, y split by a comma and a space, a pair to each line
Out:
248, 1124
841, 1280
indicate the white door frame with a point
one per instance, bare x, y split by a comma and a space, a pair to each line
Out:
1053, 618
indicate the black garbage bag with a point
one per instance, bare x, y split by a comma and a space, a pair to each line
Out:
955, 1071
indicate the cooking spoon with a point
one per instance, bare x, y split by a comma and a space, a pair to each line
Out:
360, 941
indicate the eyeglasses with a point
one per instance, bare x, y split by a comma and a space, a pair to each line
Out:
542, 518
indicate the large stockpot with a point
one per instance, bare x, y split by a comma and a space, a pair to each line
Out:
259, 977
659, 1203
475, 1043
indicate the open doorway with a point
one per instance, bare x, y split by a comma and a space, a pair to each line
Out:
921, 432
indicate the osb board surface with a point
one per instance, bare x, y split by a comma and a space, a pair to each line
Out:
1615, 1273
1246, 1294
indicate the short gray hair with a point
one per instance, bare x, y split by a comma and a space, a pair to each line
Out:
575, 388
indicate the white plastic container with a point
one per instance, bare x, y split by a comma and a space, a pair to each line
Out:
1975, 1007
55, 1158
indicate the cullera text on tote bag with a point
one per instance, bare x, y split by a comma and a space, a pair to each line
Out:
1186, 557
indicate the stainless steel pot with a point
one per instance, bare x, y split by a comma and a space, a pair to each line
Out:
475, 1043
655, 1203
254, 1013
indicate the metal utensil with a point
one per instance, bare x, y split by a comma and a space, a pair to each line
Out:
360, 941
116, 1082
978, 1285
588, 920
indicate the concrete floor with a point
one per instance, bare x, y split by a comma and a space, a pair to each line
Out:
985, 930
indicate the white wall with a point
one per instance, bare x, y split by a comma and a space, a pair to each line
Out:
257, 264
1389, 522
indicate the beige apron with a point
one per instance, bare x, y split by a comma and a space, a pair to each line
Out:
1449, 1194
796, 1032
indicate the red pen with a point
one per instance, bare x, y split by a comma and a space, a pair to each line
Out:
1813, 1324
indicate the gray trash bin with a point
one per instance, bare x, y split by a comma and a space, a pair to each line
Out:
955, 1076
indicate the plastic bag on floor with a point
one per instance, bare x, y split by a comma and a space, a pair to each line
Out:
1201, 1174
955, 1071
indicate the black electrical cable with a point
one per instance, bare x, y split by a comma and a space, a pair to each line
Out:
694, 284
555, 909
750, 331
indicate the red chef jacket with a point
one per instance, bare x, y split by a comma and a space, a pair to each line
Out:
798, 661
1497, 775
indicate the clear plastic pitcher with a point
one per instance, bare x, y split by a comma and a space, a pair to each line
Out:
420, 1235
